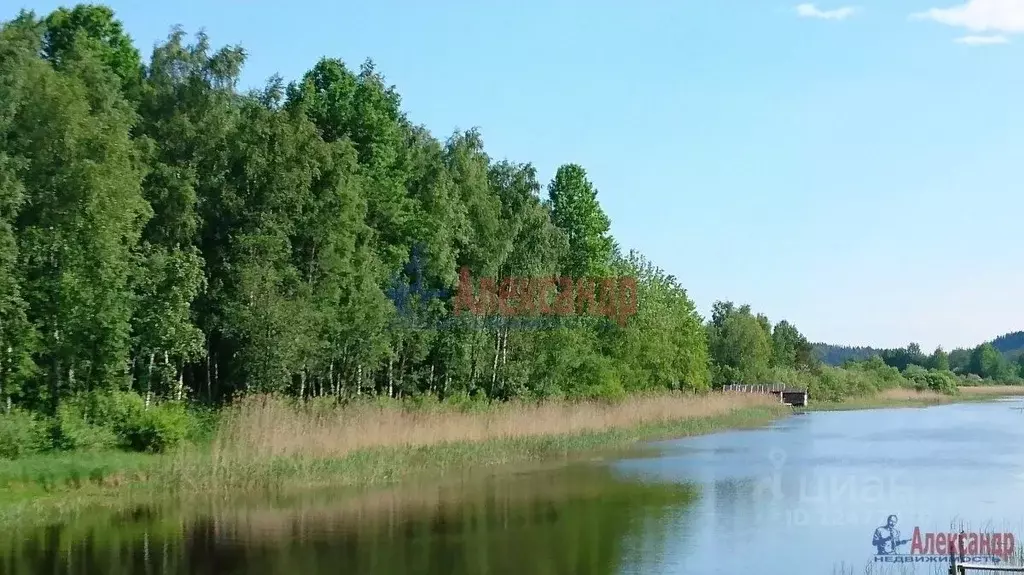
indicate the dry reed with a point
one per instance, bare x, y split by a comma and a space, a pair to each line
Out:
269, 427
993, 390
904, 394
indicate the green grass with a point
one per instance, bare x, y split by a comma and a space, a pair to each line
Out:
861, 403
47, 487
880, 401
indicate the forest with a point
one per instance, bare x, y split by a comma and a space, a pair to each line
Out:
1000, 359
171, 241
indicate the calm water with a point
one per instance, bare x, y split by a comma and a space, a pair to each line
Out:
803, 496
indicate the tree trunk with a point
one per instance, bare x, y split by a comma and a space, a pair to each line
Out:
504, 355
472, 359
55, 384
179, 384
391, 376
330, 379
149, 380
209, 372
216, 372
3, 352
494, 365
401, 371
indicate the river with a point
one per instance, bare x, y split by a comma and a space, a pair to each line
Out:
804, 495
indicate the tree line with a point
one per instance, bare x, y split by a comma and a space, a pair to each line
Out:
165, 233
998, 360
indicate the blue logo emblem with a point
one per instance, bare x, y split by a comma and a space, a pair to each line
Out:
886, 539
404, 294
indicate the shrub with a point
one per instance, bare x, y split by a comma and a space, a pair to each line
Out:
22, 433
74, 430
160, 428
463, 401
929, 379
94, 421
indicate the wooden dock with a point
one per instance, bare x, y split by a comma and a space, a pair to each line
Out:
965, 568
961, 567
787, 395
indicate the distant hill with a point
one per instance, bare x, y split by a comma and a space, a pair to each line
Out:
838, 354
1010, 345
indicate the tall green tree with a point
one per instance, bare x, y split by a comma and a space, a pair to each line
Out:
112, 46
81, 218
576, 211
17, 42
939, 360
664, 346
740, 348
985, 361
789, 347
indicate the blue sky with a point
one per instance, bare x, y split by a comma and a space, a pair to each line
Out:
855, 169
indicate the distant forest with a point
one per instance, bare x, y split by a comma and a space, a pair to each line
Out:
1010, 348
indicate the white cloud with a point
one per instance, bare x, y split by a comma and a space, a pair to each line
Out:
1006, 16
982, 40
812, 11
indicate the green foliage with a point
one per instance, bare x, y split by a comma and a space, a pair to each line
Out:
74, 430
160, 428
740, 345
575, 210
885, 375
168, 241
987, 363
939, 360
942, 381
789, 347
22, 433
835, 384
664, 346
97, 24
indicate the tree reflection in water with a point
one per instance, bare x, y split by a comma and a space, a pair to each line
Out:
577, 519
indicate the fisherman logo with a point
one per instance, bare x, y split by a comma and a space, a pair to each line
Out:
937, 547
887, 538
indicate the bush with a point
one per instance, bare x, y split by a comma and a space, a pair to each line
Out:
463, 401
160, 428
94, 421
933, 380
74, 430
22, 433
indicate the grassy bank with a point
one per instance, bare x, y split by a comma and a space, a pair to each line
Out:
268, 444
901, 397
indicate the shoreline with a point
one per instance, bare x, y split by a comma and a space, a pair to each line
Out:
52, 487
908, 399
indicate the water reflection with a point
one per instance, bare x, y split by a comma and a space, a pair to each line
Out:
805, 495
581, 519
801, 496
